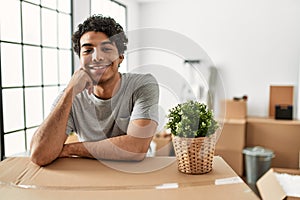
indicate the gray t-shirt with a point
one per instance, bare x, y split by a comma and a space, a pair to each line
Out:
96, 119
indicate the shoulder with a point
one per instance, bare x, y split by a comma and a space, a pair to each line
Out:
139, 79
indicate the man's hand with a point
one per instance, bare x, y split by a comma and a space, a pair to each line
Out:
81, 80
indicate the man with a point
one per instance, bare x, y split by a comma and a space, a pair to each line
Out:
114, 115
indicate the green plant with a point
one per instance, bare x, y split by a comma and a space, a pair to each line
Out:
191, 119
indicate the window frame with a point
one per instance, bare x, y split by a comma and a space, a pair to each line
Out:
43, 87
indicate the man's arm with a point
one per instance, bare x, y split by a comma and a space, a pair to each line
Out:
47, 142
132, 146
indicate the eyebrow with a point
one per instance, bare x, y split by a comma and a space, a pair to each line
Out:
102, 43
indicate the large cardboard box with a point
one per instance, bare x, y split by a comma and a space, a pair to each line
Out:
152, 178
163, 144
232, 142
233, 135
270, 188
235, 109
281, 136
235, 159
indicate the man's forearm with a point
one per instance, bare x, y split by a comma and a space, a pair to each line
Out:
48, 140
118, 148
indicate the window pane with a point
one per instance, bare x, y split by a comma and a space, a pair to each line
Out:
64, 6
34, 107
50, 94
50, 72
13, 109
31, 23
49, 3
114, 10
96, 7
11, 63
14, 143
32, 65
10, 20
65, 66
121, 17
49, 29
34, 1
29, 134
64, 31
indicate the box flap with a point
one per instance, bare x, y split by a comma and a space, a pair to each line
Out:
269, 188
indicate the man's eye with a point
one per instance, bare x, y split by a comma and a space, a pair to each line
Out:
106, 49
88, 51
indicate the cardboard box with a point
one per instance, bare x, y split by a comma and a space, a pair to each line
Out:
163, 143
280, 136
235, 109
152, 178
235, 159
270, 188
231, 143
280, 95
72, 138
233, 135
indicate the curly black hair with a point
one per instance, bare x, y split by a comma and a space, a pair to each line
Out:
99, 23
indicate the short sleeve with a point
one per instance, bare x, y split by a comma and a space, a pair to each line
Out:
146, 97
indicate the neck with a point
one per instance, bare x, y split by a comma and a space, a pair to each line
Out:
107, 89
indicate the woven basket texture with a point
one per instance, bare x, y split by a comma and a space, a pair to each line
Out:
194, 155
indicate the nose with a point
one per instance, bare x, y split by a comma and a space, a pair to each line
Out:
97, 55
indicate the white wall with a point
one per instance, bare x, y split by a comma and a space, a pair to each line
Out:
298, 94
253, 43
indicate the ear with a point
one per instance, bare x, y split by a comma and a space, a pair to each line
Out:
121, 58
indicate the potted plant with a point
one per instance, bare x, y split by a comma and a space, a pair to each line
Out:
193, 128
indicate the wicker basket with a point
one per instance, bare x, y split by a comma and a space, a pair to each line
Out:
194, 155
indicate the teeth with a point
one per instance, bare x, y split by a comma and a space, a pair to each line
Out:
97, 66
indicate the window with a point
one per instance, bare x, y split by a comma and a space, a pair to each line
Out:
36, 63
115, 10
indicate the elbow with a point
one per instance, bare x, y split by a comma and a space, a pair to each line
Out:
139, 157
39, 159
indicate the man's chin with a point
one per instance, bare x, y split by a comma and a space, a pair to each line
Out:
98, 81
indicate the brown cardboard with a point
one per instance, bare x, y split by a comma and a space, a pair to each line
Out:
269, 187
281, 136
233, 135
235, 109
77, 178
231, 143
72, 138
163, 144
280, 95
234, 159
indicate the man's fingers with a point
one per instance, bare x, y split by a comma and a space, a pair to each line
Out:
89, 86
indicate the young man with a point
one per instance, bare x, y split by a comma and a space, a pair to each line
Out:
114, 115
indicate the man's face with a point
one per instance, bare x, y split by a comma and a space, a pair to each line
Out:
99, 56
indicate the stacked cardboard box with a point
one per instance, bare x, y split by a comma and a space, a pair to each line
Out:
232, 139
281, 136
